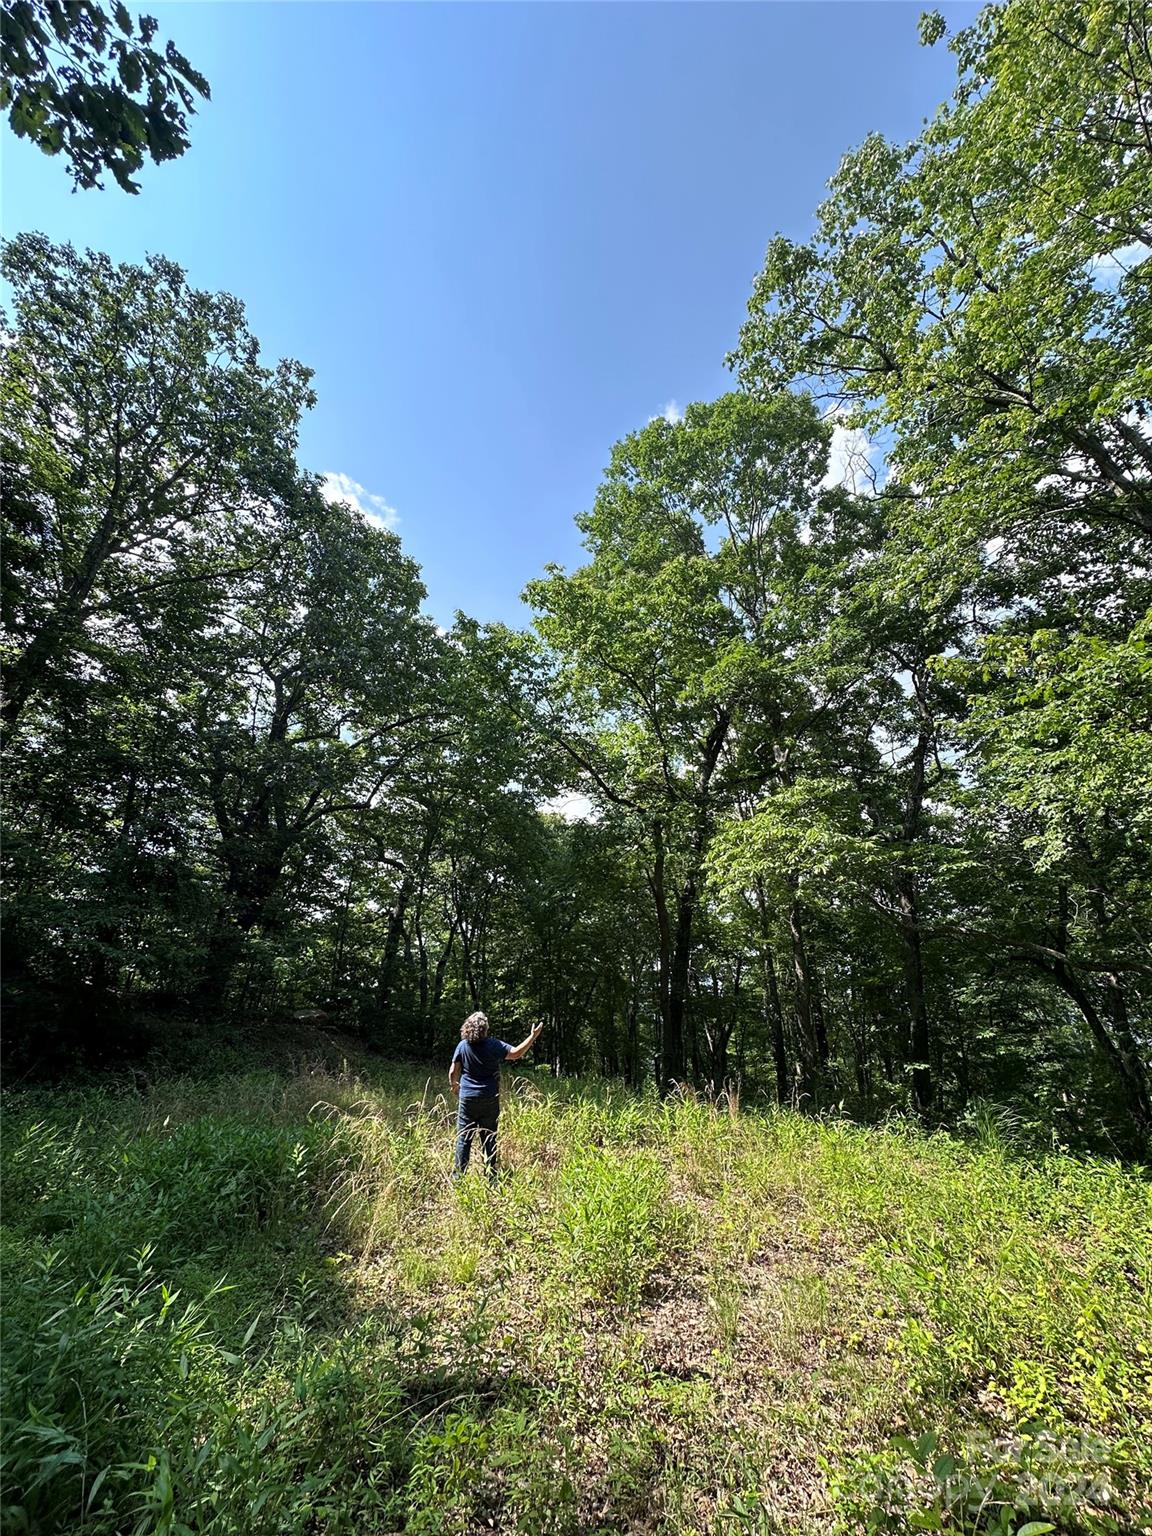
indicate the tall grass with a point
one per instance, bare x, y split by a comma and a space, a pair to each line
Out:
260, 1305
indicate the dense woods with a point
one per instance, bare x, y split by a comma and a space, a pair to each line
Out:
834, 782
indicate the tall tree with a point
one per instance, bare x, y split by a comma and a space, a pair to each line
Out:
675, 650
310, 695
141, 440
980, 297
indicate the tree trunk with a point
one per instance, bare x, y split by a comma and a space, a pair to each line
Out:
776, 1025
675, 1060
25, 676
919, 1034
773, 1013
809, 1014
438, 977
671, 1047
1129, 1070
633, 1038
391, 952
919, 1040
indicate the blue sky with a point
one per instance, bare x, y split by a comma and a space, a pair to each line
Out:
502, 235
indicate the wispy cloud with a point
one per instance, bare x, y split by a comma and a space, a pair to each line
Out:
672, 413
337, 487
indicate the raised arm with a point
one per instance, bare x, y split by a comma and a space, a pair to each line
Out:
525, 1045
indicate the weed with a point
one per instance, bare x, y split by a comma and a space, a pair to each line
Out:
615, 1224
257, 1306
1025, 1484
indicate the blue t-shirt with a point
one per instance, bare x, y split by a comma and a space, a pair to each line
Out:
480, 1065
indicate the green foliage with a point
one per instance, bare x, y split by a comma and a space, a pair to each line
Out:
193, 1189
824, 776
1065, 722
526, 1481
978, 300
616, 1224
952, 290
78, 80
968, 1250
1030, 1484
869, 830
92, 1370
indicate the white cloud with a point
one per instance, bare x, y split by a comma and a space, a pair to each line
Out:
571, 806
1106, 271
374, 509
671, 413
852, 460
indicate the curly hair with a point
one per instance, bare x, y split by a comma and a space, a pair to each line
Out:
474, 1028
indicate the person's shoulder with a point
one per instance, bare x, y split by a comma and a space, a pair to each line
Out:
459, 1051
502, 1046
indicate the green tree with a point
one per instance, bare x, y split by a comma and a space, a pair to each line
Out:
979, 300
306, 705
680, 650
982, 290
141, 441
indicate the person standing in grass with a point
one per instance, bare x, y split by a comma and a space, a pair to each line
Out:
475, 1076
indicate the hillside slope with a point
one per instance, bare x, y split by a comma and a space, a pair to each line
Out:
257, 1304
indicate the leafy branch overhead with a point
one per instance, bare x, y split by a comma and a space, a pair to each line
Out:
95, 87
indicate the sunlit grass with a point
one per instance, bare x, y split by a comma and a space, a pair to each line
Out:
260, 1304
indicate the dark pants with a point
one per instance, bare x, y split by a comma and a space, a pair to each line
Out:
480, 1113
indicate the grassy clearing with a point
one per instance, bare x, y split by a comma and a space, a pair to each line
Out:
257, 1305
